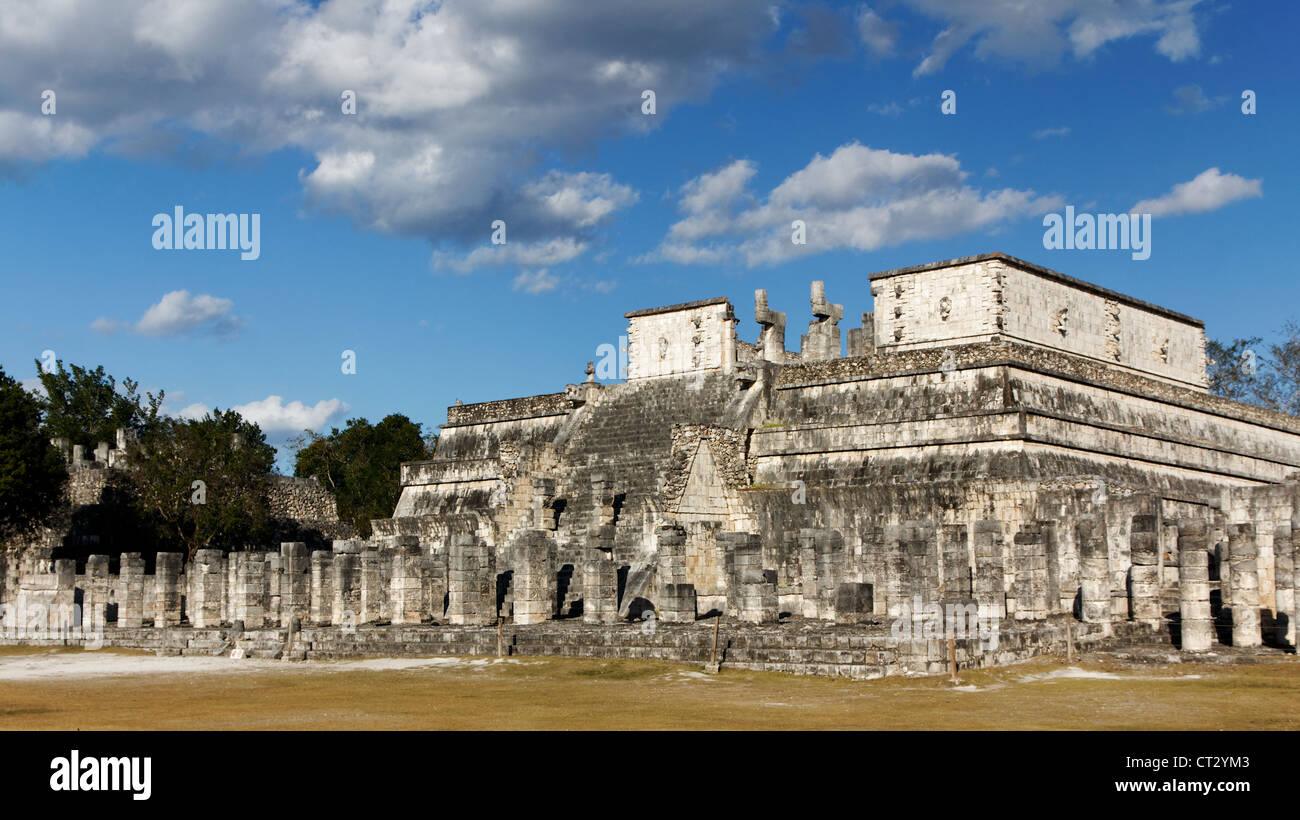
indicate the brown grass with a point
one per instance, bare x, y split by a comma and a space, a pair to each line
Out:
586, 694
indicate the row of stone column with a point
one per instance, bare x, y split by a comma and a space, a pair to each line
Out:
347, 585
1239, 585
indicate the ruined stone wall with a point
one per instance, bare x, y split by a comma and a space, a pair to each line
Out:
86, 484
302, 499
975, 298
679, 339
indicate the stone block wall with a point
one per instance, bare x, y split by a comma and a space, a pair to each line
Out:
678, 339
978, 297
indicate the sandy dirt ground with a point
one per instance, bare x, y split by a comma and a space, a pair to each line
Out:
113, 689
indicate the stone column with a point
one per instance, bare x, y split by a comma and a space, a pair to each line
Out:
130, 591
167, 589
920, 558
534, 578
62, 615
407, 594
771, 334
1051, 531
232, 583
956, 565
471, 582
295, 582
822, 341
1284, 585
372, 587
94, 604
989, 594
599, 589
1031, 573
346, 583
434, 568
756, 600
808, 573
1144, 572
670, 553
250, 589
274, 578
1094, 569
208, 587
1244, 556
1195, 623
896, 569
321, 607
828, 547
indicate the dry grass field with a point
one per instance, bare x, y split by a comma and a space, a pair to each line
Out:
72, 689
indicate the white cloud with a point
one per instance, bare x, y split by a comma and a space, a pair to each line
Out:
1208, 191
458, 104
1061, 131
582, 199
549, 252
569, 203
878, 35
858, 197
1039, 33
37, 138
193, 411
179, 312
538, 281
273, 415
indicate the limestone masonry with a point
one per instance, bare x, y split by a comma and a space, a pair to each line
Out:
1003, 446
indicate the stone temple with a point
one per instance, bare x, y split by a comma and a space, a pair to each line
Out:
1001, 441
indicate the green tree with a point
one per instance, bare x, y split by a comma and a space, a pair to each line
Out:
32, 473
361, 464
1233, 368
86, 406
1278, 382
204, 481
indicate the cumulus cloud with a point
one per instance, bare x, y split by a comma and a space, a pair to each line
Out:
1207, 191
876, 33
177, 313
858, 197
538, 281
274, 415
36, 138
193, 411
457, 103
563, 202
1040, 33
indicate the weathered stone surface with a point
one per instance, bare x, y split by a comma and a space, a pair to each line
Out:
999, 434
1245, 585
130, 591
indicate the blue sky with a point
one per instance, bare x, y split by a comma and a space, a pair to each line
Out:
375, 226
